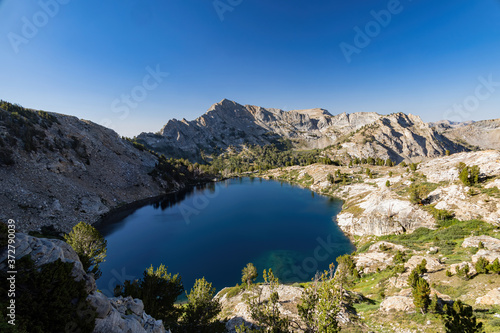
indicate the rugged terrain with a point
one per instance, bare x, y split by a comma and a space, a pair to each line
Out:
112, 314
484, 134
451, 227
60, 170
229, 124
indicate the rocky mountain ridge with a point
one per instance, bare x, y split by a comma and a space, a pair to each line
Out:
60, 170
229, 124
484, 134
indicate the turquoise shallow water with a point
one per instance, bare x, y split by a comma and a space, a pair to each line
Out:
215, 230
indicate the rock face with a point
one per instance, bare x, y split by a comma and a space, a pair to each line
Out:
491, 298
489, 243
397, 303
228, 123
113, 314
117, 315
398, 137
382, 213
71, 170
362, 134
484, 134
444, 169
237, 310
375, 258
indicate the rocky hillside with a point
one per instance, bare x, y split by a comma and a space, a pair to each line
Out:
107, 314
228, 123
484, 134
450, 225
60, 170
225, 124
398, 137
373, 208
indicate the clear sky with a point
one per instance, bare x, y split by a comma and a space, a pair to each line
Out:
134, 64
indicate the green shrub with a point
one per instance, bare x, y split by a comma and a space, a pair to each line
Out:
482, 265
48, 299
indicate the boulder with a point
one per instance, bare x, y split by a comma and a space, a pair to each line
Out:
101, 303
453, 268
43, 251
397, 303
433, 264
487, 254
491, 298
490, 243
127, 315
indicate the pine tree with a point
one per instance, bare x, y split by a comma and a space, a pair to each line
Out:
434, 306
494, 267
159, 290
482, 265
460, 318
249, 274
202, 309
90, 246
421, 293
320, 304
266, 312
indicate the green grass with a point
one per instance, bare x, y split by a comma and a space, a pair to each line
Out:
492, 191
232, 291
355, 210
448, 236
367, 306
454, 291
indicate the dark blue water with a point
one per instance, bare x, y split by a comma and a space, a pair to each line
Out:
215, 230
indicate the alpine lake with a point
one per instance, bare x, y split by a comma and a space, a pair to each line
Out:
214, 230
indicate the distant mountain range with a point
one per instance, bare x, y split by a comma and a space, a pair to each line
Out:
361, 134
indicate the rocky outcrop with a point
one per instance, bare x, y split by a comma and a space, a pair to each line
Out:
486, 254
455, 267
112, 314
228, 123
117, 315
375, 258
489, 243
484, 134
433, 264
43, 251
491, 298
398, 303
383, 213
363, 134
236, 309
398, 137
444, 169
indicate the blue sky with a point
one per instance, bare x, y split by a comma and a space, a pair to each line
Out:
436, 59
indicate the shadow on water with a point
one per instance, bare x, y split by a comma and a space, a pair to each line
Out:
215, 229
